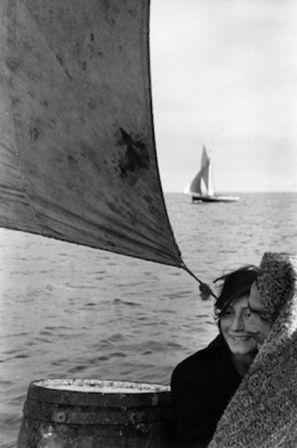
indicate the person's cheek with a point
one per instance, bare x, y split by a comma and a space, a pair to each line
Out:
252, 325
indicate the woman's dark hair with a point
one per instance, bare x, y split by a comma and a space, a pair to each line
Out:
236, 284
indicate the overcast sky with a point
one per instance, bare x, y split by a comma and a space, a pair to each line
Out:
224, 74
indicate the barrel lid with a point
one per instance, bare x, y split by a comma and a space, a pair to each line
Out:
99, 392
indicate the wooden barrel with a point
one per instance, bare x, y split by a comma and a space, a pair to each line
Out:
73, 413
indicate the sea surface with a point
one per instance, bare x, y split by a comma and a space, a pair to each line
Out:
72, 312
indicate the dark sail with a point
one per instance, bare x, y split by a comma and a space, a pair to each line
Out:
77, 148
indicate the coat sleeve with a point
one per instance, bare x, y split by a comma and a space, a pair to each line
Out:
194, 413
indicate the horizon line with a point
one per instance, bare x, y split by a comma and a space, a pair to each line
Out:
236, 192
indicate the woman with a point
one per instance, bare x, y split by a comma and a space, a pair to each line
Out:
263, 412
203, 383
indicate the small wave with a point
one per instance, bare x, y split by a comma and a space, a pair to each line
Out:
10, 352
58, 362
105, 343
175, 274
116, 337
77, 369
80, 286
37, 292
54, 328
18, 399
211, 322
31, 343
100, 358
11, 420
6, 383
142, 318
154, 346
107, 357
43, 339
174, 295
22, 356
46, 333
117, 355
22, 334
9, 445
168, 311
230, 251
173, 345
126, 302
131, 284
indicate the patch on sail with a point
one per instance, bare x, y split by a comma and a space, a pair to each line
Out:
136, 157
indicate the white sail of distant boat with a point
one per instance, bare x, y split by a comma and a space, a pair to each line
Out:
202, 182
201, 188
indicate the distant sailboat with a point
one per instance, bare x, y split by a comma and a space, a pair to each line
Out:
201, 188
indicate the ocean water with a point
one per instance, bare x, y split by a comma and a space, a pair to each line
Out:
72, 312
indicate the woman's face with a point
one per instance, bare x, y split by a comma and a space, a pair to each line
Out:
233, 327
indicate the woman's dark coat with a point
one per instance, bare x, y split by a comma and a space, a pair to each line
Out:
201, 387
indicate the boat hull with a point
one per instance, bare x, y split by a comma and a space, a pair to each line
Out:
215, 198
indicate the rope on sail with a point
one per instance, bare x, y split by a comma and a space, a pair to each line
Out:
205, 290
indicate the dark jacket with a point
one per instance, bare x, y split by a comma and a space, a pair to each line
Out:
201, 387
